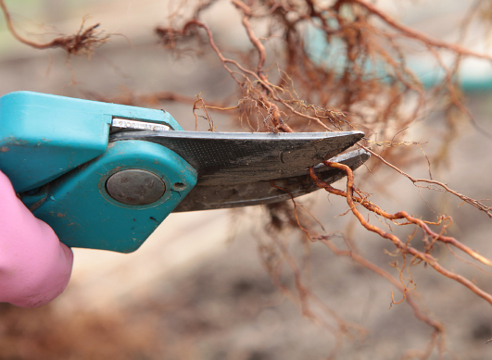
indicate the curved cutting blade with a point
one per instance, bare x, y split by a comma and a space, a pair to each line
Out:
240, 158
206, 197
238, 169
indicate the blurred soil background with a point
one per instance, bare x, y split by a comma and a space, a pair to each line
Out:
197, 288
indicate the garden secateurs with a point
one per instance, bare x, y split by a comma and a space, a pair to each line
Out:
104, 176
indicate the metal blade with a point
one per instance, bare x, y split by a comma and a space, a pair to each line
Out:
230, 159
206, 197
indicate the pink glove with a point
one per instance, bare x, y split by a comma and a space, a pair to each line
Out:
34, 266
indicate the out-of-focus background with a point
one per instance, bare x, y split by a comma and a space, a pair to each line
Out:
197, 288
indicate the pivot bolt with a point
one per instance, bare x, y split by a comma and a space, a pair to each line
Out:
135, 187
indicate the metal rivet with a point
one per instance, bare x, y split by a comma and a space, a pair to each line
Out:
135, 187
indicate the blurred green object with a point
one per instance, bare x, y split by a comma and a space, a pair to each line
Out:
474, 75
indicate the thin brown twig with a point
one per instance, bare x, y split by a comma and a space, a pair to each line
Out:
417, 35
475, 203
386, 275
83, 42
401, 246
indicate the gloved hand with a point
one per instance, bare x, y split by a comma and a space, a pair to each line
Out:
35, 266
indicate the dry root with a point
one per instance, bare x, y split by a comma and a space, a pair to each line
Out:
297, 93
83, 42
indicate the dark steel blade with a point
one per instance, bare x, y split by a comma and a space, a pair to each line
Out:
206, 197
229, 159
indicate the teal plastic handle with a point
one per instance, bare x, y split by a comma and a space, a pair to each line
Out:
55, 151
82, 213
44, 136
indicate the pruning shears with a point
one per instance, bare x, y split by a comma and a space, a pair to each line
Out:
104, 176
